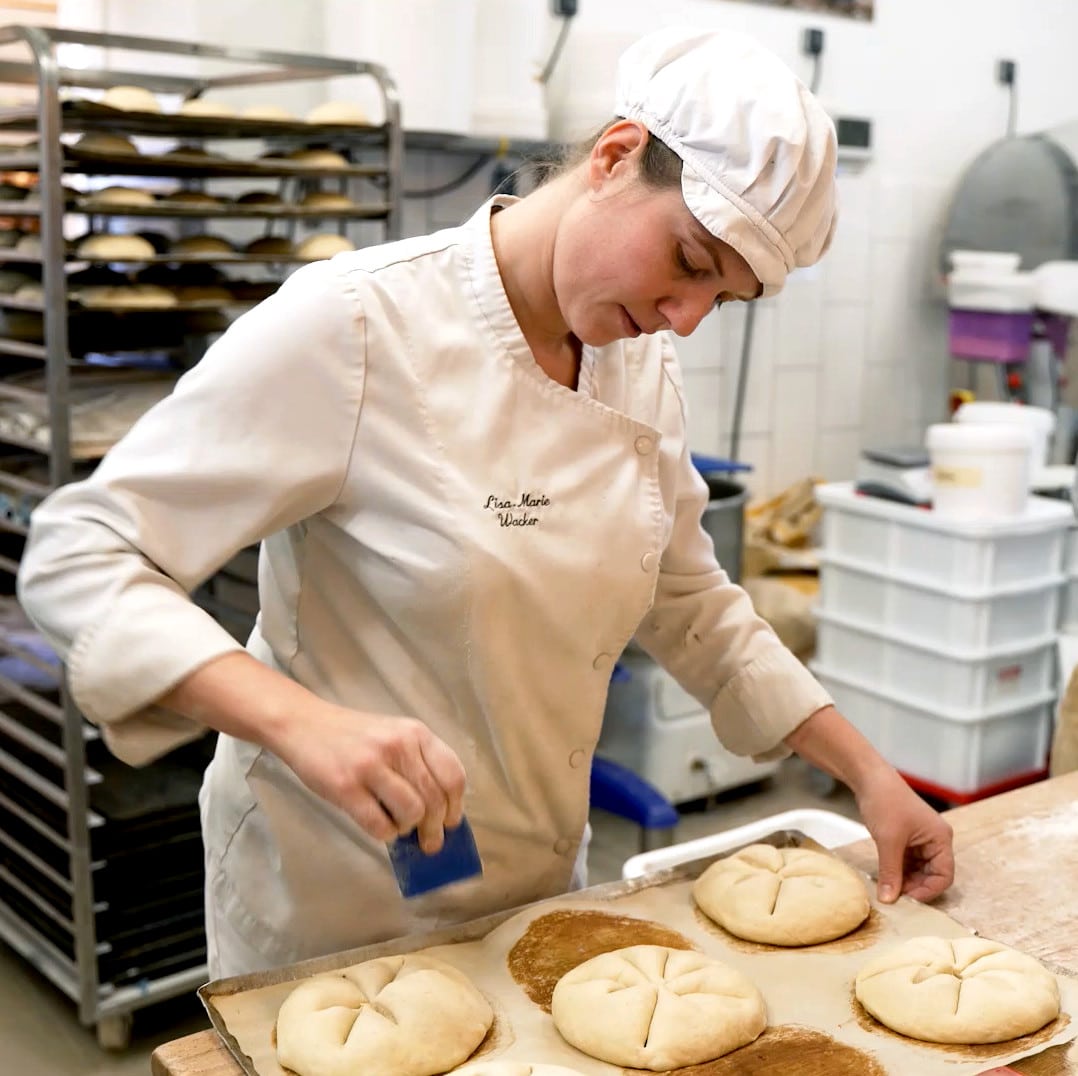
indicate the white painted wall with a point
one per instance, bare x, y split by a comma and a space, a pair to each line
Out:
853, 352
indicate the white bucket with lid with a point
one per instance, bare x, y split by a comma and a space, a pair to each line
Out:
979, 471
1038, 420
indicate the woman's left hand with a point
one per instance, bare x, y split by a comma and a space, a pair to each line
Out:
914, 843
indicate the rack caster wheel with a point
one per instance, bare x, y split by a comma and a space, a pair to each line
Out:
114, 1032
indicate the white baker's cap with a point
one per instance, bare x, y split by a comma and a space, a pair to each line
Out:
758, 150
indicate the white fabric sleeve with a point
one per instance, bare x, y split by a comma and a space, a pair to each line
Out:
704, 631
255, 438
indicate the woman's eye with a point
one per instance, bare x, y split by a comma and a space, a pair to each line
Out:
684, 263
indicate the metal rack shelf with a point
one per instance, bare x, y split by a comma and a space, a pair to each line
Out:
100, 871
79, 115
226, 211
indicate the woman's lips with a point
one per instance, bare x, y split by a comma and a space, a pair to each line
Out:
633, 328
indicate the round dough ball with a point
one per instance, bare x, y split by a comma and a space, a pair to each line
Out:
114, 248
202, 244
186, 150
191, 198
338, 112
29, 244
271, 244
958, 990
393, 1016
103, 142
268, 112
327, 200
650, 1007
265, 198
200, 106
31, 292
514, 1068
131, 99
119, 196
323, 245
782, 896
317, 158
134, 297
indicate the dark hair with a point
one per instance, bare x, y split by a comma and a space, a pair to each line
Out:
660, 166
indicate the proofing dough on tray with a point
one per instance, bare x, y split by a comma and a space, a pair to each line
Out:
323, 245
782, 896
131, 99
958, 990
119, 195
650, 1007
104, 142
393, 1016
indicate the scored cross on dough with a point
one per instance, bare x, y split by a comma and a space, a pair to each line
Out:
961, 990
782, 896
393, 1016
650, 1007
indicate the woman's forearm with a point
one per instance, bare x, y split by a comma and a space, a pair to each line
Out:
831, 743
238, 695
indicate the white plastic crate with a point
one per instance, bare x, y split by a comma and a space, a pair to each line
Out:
965, 679
975, 618
961, 751
1068, 616
918, 546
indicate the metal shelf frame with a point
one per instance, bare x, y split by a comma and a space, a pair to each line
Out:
101, 995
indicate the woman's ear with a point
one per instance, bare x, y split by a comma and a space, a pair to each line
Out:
616, 153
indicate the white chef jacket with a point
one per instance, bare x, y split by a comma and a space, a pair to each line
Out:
447, 533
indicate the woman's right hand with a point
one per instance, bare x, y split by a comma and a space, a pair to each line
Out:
390, 774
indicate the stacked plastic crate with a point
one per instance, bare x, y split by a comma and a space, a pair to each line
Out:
937, 637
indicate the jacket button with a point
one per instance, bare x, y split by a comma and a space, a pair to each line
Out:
602, 661
648, 561
576, 759
644, 445
562, 846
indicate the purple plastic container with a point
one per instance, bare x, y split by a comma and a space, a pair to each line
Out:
988, 336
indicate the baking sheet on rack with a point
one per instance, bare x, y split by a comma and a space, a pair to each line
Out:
813, 1019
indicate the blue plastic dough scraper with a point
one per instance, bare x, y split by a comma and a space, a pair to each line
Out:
417, 873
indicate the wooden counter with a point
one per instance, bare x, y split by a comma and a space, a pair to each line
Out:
1017, 882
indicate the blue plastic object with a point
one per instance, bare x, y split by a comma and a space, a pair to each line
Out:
417, 873
714, 465
616, 789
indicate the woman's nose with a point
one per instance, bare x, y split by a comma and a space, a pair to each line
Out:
685, 310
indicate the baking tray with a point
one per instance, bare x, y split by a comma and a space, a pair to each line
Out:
825, 1025
223, 211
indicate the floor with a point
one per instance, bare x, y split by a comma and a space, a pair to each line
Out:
40, 1034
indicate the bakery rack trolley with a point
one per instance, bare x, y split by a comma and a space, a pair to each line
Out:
100, 896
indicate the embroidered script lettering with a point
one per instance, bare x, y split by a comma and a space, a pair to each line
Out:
521, 511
